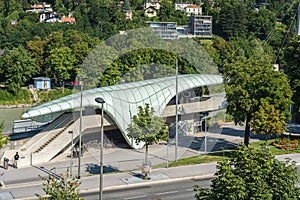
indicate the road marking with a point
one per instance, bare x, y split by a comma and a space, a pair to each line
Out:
136, 197
189, 189
170, 192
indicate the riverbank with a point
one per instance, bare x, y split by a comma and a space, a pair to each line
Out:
17, 106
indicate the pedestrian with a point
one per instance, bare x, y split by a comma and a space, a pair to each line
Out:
16, 158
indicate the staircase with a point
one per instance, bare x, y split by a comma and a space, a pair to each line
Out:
34, 93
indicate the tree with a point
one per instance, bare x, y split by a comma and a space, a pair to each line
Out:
61, 63
148, 128
252, 174
19, 68
292, 59
60, 189
234, 19
267, 120
248, 83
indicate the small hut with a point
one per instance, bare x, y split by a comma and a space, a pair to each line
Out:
42, 83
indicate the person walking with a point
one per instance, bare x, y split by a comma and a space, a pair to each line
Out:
16, 158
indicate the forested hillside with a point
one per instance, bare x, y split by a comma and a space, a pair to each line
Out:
56, 50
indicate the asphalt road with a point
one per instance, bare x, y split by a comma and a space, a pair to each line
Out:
170, 191
157, 191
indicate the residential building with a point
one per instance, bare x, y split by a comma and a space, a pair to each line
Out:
165, 30
150, 12
193, 9
52, 18
40, 8
200, 25
155, 5
127, 9
182, 6
69, 20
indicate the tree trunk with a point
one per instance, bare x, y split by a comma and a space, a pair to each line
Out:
247, 130
146, 155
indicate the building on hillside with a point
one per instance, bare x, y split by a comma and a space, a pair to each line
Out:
193, 9
41, 8
127, 9
155, 5
182, 6
150, 12
200, 25
42, 83
165, 30
70, 20
52, 18
182, 31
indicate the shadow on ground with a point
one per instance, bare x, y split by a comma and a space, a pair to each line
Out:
95, 168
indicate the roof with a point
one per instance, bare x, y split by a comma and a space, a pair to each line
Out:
193, 6
123, 99
151, 7
42, 78
68, 19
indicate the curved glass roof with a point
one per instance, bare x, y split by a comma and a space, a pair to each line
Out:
124, 99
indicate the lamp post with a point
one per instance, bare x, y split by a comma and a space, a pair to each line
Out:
71, 155
101, 101
176, 112
80, 125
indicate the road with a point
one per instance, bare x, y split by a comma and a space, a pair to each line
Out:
172, 191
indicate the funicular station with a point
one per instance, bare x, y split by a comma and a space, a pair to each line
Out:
199, 96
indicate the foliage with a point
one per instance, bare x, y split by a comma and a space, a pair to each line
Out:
147, 128
22, 96
3, 139
19, 67
52, 94
249, 83
267, 120
292, 58
60, 189
252, 174
61, 62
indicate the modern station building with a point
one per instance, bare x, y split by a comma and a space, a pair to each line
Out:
199, 95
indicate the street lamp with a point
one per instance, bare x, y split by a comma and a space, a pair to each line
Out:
80, 125
71, 155
101, 101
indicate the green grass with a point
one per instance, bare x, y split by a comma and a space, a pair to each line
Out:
227, 153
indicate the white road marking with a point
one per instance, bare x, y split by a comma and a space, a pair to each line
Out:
170, 192
136, 197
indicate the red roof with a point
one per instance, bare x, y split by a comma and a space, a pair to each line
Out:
193, 6
68, 19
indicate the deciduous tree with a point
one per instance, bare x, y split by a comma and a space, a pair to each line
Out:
248, 83
60, 189
148, 128
252, 174
19, 68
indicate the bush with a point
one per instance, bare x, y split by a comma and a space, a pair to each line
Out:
23, 96
252, 174
50, 95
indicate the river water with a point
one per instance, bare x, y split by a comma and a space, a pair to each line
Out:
8, 115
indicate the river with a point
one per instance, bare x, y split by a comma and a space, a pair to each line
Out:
8, 115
